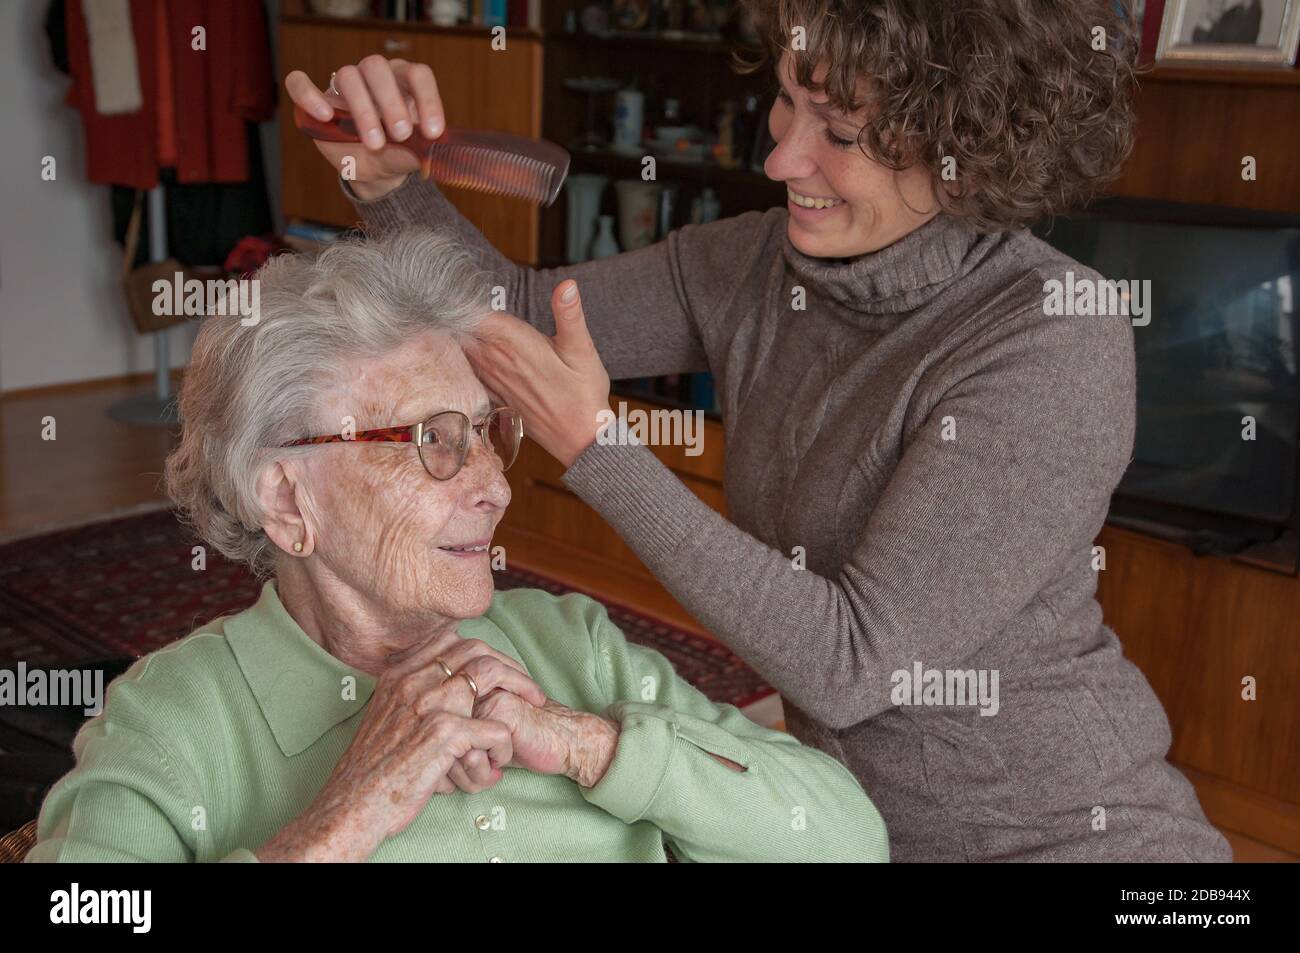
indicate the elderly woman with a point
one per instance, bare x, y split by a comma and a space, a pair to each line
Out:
906, 413
378, 702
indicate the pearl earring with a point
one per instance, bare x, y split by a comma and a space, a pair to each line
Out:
297, 547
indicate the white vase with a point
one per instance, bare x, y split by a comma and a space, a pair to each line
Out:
629, 114
706, 208
604, 246
446, 12
582, 194
638, 212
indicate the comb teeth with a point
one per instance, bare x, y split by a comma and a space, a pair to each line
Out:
499, 163
483, 169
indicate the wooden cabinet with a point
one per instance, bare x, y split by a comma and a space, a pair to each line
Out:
481, 88
1197, 626
542, 505
1196, 125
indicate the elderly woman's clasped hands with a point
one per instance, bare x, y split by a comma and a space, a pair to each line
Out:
446, 715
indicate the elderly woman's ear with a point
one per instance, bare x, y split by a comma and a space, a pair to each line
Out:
287, 513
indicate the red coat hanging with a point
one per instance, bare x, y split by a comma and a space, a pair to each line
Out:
215, 91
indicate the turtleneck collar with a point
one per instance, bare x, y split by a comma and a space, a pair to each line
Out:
900, 277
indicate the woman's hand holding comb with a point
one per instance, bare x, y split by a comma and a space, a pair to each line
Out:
387, 100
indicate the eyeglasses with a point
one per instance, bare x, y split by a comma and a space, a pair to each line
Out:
443, 440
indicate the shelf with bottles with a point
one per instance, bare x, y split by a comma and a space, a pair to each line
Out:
715, 124
707, 44
608, 207
704, 172
523, 18
692, 164
711, 26
602, 215
613, 100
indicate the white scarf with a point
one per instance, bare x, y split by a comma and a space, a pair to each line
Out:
113, 64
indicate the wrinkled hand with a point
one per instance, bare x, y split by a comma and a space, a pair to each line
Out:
553, 738
474, 771
558, 384
417, 731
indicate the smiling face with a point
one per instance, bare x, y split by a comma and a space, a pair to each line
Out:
842, 204
413, 546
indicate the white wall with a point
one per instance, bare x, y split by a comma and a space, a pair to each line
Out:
62, 313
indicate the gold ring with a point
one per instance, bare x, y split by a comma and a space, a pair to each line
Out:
472, 686
446, 668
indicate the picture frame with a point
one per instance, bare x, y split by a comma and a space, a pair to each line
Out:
1218, 32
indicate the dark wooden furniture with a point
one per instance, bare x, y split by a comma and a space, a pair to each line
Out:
1196, 125
1197, 627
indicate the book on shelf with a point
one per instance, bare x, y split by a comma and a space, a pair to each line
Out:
311, 232
485, 13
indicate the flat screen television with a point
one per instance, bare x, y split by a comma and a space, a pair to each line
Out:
1218, 395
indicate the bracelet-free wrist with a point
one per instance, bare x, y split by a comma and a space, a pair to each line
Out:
351, 186
595, 749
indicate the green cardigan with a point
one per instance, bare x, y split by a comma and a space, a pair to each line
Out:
208, 747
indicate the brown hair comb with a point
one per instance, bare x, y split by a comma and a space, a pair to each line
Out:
499, 163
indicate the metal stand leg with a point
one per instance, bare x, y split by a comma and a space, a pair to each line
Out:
157, 409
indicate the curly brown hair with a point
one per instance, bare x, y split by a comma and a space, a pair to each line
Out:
1037, 119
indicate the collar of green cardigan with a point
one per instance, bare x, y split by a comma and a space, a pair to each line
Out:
303, 691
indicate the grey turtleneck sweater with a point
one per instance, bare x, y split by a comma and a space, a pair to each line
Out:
944, 455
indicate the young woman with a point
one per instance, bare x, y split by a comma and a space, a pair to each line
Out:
900, 407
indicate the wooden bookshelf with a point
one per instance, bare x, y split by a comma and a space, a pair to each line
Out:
406, 26
696, 70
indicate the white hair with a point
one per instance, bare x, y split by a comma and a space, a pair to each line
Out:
250, 388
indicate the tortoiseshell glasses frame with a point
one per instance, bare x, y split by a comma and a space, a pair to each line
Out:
442, 440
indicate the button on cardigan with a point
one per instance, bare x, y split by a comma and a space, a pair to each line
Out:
208, 747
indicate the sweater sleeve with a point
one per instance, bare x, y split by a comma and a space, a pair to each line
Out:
648, 310
126, 800
1003, 482
790, 803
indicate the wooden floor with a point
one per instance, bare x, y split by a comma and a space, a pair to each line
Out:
96, 466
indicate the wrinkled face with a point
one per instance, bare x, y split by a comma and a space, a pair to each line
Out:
842, 204
384, 526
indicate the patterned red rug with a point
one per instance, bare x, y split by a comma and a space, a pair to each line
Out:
125, 587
